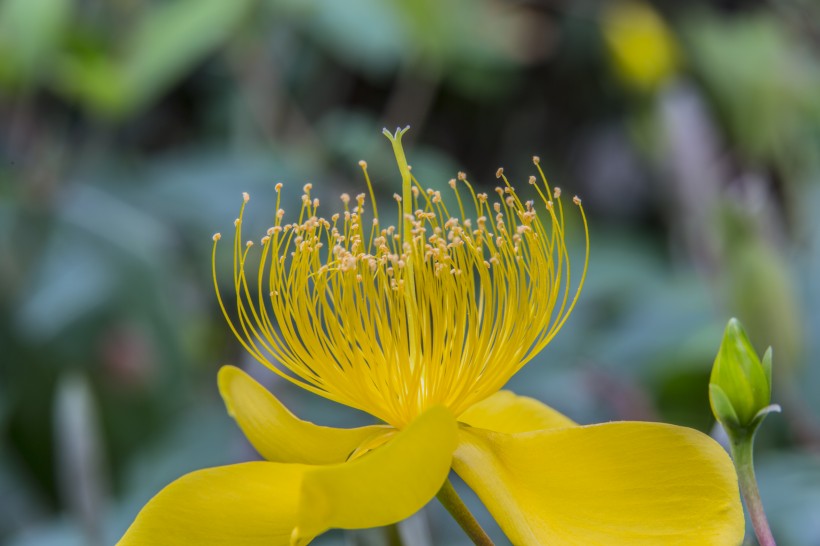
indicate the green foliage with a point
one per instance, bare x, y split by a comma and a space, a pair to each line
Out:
31, 32
764, 81
758, 286
169, 41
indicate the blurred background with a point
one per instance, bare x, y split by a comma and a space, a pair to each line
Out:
129, 129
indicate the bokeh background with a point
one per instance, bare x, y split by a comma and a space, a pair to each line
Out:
129, 129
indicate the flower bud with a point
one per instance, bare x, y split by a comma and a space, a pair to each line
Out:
740, 388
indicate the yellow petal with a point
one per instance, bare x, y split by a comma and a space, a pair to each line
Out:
270, 504
507, 412
249, 504
384, 486
614, 484
276, 433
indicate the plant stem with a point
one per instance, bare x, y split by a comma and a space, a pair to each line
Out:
744, 463
393, 535
448, 497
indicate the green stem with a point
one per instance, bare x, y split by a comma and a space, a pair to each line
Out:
394, 535
406, 181
448, 497
744, 463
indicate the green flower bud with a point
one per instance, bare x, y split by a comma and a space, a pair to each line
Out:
740, 388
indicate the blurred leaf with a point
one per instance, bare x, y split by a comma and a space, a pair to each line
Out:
169, 41
369, 34
30, 33
790, 488
83, 265
759, 289
764, 82
71, 281
462, 31
174, 37
454, 39
19, 504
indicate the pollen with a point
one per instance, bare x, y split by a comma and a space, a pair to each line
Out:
441, 308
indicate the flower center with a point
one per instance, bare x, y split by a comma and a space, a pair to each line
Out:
441, 310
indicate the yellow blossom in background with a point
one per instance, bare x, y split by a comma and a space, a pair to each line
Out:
421, 324
643, 49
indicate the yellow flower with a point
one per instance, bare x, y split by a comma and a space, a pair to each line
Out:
644, 51
421, 326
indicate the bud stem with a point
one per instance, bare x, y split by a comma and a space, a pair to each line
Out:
448, 497
742, 453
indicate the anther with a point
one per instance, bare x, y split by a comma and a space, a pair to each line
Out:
362, 163
217, 236
245, 196
278, 187
499, 172
576, 200
557, 193
536, 160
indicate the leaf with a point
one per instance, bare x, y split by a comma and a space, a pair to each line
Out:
172, 39
169, 41
30, 33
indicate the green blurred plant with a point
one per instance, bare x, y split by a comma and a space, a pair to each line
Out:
31, 33
763, 81
757, 284
116, 75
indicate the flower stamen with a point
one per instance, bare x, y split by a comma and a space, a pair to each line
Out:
441, 310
